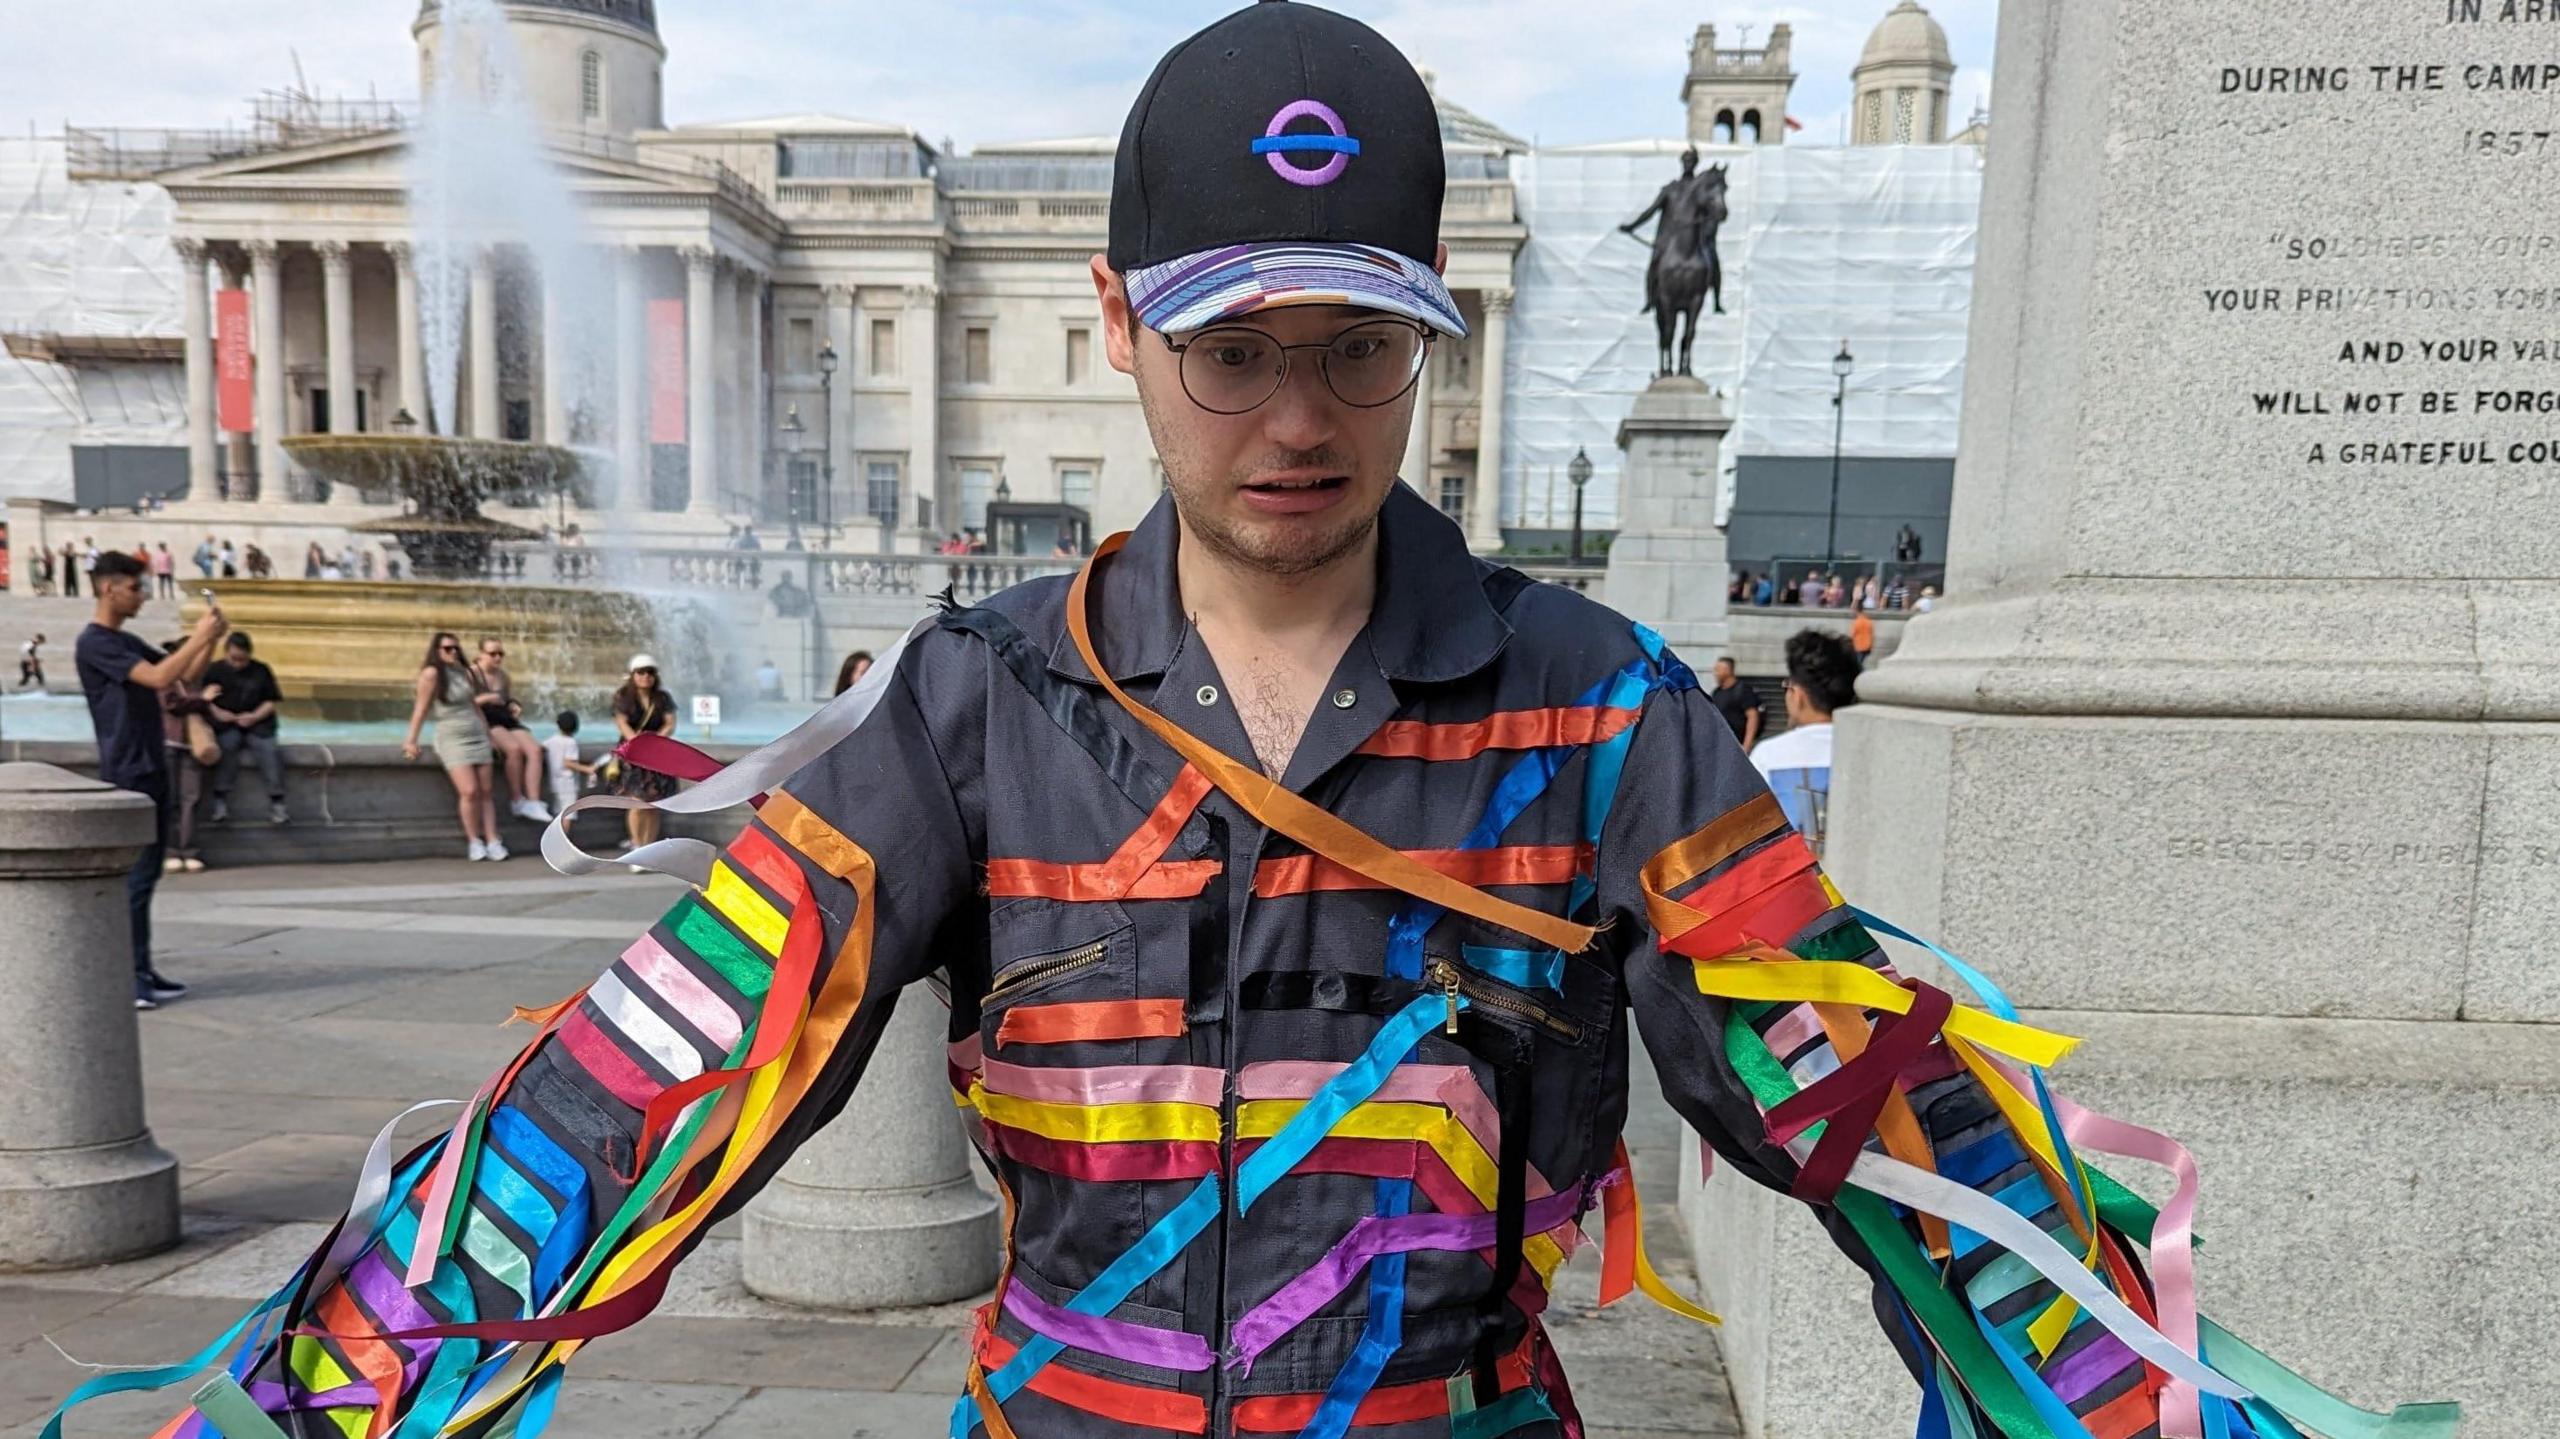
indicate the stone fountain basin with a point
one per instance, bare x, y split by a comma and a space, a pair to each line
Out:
350, 649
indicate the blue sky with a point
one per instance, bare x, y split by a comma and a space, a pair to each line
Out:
972, 70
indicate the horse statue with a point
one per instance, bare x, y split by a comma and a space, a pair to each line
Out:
1686, 271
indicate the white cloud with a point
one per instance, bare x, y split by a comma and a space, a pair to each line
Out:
978, 70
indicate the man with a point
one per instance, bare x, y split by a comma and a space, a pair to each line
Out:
1292, 876
123, 677
768, 681
1739, 706
204, 557
1862, 634
243, 693
1822, 679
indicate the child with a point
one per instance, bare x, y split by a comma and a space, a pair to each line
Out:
561, 753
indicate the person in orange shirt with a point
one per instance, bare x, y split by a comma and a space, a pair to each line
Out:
1862, 637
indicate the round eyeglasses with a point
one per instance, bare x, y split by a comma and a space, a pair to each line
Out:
1232, 369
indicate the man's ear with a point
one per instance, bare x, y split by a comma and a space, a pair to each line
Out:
1113, 295
1440, 261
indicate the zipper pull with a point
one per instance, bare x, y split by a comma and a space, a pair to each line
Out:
1445, 975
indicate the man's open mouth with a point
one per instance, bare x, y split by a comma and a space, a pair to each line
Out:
1317, 482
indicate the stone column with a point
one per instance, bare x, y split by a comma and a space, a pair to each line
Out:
2231, 748
850, 503
487, 423
195, 312
702, 395
413, 358
1417, 444
555, 361
266, 284
923, 323
729, 328
81, 1181
754, 424
1484, 503
1666, 568
338, 327
630, 403
878, 1209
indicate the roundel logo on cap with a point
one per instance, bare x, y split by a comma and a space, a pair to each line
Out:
1337, 142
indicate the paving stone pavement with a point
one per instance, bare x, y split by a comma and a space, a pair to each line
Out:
327, 999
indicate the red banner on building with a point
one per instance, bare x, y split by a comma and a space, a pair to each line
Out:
666, 372
235, 400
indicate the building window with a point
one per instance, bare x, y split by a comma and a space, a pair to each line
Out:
590, 84
977, 487
880, 492
1902, 115
884, 349
804, 490
1079, 356
1453, 497
976, 361
1871, 123
800, 344
1075, 485
1749, 134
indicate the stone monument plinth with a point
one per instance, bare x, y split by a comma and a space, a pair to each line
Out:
1666, 567
878, 1209
2232, 747
81, 1181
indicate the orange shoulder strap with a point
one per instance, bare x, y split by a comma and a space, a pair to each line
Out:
1274, 806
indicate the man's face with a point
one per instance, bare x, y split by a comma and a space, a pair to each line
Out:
1724, 674
124, 595
1284, 488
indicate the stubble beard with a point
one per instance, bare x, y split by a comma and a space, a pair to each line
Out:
1236, 543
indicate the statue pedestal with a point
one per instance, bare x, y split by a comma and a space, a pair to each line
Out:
1667, 565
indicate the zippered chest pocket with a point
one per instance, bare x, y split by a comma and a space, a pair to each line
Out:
1035, 946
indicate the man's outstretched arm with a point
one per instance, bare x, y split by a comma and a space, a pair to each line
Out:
648, 1105
2025, 1291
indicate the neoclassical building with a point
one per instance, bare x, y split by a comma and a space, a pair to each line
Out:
922, 318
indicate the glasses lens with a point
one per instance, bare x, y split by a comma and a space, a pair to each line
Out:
1228, 372
1368, 365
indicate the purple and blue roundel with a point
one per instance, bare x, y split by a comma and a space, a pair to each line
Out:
1277, 147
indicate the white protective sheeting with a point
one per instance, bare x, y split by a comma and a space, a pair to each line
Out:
80, 258
1873, 245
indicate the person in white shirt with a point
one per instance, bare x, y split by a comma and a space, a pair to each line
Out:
560, 756
1822, 679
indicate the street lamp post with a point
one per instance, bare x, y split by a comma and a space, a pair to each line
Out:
827, 437
793, 432
1578, 470
1841, 365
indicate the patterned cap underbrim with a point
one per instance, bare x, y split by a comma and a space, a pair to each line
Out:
1234, 280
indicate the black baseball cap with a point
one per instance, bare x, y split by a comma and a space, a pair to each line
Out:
1286, 155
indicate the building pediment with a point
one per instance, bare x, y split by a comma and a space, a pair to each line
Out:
381, 160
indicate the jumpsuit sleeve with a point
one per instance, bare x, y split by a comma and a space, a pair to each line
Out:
1767, 1006
648, 1105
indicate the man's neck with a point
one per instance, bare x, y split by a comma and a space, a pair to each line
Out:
107, 618
1223, 593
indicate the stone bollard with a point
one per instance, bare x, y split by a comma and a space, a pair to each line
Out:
878, 1209
80, 1180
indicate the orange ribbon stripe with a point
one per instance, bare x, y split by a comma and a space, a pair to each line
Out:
1684, 860
1508, 730
1091, 1020
1274, 806
1135, 871
1512, 864
1132, 1404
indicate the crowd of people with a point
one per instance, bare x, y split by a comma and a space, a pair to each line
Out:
71, 571
1828, 590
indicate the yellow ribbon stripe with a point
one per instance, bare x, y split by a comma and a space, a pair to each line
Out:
320, 1372
1837, 982
1098, 1123
1423, 1123
739, 903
